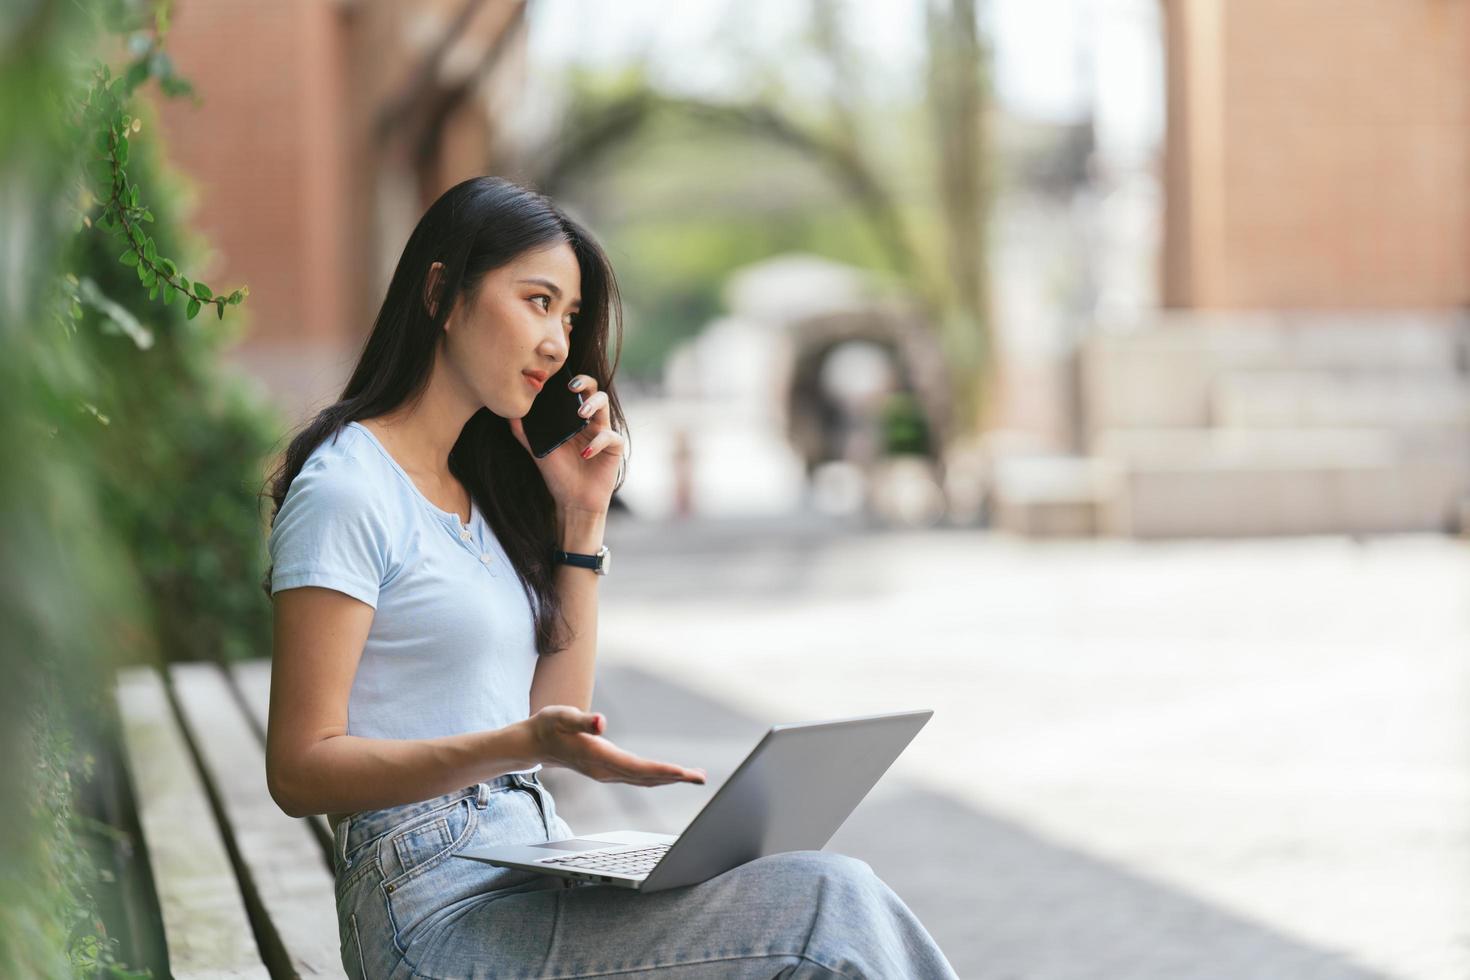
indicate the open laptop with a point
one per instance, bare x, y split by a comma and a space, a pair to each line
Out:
791, 793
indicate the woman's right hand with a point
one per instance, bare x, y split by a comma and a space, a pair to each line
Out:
569, 737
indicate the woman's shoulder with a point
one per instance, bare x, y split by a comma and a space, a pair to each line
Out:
345, 470
339, 524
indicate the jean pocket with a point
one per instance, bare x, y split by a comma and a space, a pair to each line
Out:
409, 856
425, 840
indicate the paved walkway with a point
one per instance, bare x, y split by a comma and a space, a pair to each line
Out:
1236, 759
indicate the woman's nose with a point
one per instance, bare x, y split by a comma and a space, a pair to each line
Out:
556, 346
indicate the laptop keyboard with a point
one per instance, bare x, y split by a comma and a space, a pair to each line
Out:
638, 862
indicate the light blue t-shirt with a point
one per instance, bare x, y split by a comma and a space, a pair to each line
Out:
452, 645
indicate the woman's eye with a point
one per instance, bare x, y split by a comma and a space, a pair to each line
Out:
541, 297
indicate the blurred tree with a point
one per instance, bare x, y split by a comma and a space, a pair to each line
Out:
937, 250
594, 129
412, 123
957, 97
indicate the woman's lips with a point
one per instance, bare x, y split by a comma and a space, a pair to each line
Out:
533, 382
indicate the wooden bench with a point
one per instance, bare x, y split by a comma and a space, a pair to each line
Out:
243, 889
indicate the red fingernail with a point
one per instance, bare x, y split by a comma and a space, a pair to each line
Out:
587, 452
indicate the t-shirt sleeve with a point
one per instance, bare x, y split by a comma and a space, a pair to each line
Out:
330, 532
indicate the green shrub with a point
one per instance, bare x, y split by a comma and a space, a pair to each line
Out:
130, 462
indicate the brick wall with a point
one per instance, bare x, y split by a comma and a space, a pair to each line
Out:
299, 190
1319, 154
260, 151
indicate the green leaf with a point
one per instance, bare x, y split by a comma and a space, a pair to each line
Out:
174, 86
148, 216
235, 298
150, 250
153, 292
183, 284
122, 153
202, 291
172, 269
193, 310
137, 74
128, 258
149, 277
219, 308
168, 292
133, 195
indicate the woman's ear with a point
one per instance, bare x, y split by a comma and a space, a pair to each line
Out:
434, 287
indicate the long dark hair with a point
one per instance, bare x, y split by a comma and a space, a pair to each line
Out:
477, 225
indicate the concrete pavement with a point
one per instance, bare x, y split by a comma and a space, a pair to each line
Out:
1198, 759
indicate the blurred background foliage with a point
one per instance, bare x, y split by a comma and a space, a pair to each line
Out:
681, 189
132, 532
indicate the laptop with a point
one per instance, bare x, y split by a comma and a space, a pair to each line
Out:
791, 793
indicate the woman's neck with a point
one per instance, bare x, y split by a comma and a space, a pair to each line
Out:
420, 435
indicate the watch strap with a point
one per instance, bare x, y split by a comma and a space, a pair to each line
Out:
597, 562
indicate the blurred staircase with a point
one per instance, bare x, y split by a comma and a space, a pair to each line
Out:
1230, 424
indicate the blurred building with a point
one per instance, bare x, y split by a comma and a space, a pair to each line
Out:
791, 387
325, 129
1310, 369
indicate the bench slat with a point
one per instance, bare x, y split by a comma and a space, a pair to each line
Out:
282, 859
204, 921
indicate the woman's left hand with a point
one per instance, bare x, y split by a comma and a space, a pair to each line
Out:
581, 472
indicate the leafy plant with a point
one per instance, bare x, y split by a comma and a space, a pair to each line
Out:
105, 118
131, 457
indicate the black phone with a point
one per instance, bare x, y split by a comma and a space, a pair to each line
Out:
553, 417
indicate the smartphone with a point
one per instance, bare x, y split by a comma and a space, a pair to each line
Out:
553, 417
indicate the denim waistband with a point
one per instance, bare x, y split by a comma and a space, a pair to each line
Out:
365, 825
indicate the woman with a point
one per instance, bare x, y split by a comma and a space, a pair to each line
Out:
431, 655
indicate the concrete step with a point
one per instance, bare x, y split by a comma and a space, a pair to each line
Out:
1299, 399
1051, 495
1163, 373
1244, 482
1157, 483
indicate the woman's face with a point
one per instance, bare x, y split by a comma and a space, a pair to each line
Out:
517, 329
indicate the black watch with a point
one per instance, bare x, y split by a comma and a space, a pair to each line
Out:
599, 562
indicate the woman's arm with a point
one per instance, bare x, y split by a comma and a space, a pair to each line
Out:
567, 676
314, 766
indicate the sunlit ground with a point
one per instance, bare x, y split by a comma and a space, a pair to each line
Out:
1277, 728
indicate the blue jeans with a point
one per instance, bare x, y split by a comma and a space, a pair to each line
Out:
408, 908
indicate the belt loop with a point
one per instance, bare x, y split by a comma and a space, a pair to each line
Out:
482, 796
346, 828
